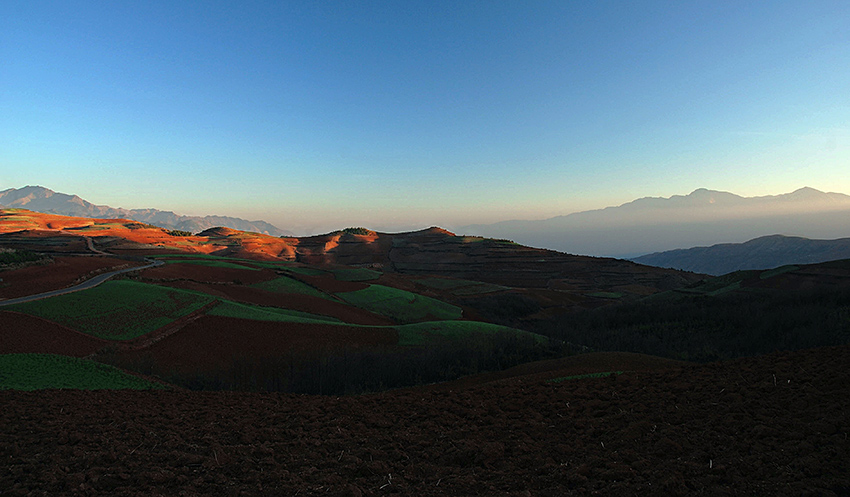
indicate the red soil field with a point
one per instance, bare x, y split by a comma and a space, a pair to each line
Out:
298, 302
214, 341
208, 274
770, 425
327, 283
62, 273
20, 333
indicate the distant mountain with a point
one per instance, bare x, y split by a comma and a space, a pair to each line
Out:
761, 253
704, 217
40, 199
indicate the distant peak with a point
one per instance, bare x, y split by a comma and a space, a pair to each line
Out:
807, 191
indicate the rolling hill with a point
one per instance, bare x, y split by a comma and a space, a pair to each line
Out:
760, 253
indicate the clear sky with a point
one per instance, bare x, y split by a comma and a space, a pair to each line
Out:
405, 114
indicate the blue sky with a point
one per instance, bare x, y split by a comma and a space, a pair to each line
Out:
397, 115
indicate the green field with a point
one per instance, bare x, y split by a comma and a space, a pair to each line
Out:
401, 305
117, 310
268, 264
285, 284
40, 371
307, 271
356, 274
212, 263
425, 333
259, 313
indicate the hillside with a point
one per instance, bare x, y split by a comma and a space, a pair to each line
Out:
431, 251
738, 314
40, 199
702, 218
263, 312
761, 253
770, 425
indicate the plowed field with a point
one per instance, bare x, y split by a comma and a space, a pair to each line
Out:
215, 341
63, 272
21, 333
772, 425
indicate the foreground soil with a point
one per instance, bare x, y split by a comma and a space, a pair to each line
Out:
772, 425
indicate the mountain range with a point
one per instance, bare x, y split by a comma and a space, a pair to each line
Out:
760, 253
40, 199
704, 217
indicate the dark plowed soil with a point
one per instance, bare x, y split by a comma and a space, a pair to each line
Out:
20, 333
596, 362
62, 273
774, 425
214, 341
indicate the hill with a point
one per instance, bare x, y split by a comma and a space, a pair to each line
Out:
432, 251
738, 314
702, 218
40, 199
760, 253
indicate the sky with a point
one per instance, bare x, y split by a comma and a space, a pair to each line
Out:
401, 115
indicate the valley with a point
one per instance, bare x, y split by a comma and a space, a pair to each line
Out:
435, 364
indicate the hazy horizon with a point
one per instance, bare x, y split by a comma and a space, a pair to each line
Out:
399, 116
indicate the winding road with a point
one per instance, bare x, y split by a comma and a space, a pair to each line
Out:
97, 280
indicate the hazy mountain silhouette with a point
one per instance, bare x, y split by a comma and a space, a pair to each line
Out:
40, 199
761, 253
704, 217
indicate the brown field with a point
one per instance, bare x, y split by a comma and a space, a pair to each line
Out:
298, 302
211, 342
20, 333
63, 272
207, 274
771, 425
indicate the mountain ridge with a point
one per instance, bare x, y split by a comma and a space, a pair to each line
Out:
656, 224
765, 252
41, 199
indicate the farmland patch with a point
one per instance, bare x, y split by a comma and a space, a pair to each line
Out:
258, 313
356, 274
117, 310
401, 305
285, 284
425, 333
40, 371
